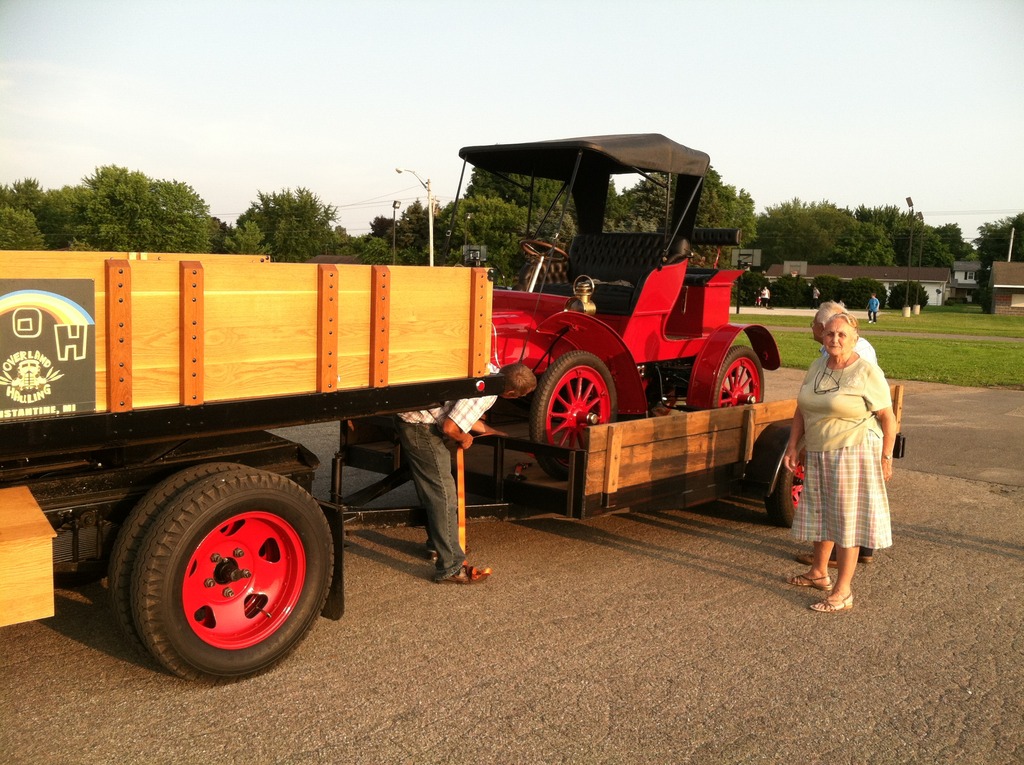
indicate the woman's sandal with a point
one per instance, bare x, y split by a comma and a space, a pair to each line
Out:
827, 607
802, 580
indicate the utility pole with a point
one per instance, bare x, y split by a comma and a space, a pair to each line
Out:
394, 228
430, 209
910, 258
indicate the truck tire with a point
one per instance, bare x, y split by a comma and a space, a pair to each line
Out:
129, 539
741, 379
231, 575
781, 503
575, 392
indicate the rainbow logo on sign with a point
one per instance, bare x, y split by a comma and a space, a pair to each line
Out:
62, 309
47, 347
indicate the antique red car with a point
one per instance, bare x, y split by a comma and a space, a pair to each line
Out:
619, 324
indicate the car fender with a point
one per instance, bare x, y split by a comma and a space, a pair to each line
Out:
762, 471
570, 330
709, 361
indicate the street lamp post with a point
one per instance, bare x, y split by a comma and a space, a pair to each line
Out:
430, 209
394, 226
920, 263
910, 258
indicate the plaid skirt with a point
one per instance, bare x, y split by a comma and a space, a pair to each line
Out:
844, 498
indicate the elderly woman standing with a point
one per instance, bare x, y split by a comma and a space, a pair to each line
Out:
843, 433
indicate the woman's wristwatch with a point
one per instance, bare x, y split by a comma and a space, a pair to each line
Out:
887, 457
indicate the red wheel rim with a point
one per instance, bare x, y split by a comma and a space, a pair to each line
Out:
243, 580
741, 384
580, 399
798, 485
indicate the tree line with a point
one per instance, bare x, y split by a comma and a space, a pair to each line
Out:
116, 209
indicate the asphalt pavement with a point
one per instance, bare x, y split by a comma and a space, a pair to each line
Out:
650, 637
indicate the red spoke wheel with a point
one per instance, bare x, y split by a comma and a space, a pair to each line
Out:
575, 392
232, 574
741, 379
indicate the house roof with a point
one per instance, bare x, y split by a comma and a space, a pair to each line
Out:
967, 265
880, 273
1007, 275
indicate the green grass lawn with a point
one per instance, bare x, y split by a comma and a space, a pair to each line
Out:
969, 363
931, 320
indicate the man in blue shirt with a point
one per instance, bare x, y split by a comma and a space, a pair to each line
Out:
873, 306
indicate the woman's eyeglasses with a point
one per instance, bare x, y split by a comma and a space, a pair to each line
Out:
826, 382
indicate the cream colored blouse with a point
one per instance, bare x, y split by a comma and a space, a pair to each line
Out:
838, 405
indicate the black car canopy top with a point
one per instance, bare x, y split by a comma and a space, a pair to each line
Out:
585, 166
609, 154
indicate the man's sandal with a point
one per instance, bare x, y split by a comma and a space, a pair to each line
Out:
802, 580
827, 607
466, 575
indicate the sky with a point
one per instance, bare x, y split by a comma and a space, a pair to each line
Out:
862, 102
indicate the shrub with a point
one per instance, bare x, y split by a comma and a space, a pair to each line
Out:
829, 286
898, 298
856, 292
790, 292
749, 285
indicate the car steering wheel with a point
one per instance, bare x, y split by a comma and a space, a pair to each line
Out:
536, 248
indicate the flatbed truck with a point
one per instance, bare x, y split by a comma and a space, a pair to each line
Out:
135, 438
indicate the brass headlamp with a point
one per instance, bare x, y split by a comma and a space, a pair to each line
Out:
582, 299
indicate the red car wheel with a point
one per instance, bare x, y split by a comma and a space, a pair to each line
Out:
232, 574
741, 380
574, 393
243, 580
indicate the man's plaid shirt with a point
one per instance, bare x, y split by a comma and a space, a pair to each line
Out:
463, 412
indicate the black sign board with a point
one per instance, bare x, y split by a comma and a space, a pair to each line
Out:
47, 347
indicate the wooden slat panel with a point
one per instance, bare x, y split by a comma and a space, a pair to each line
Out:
612, 461
156, 347
119, 335
26, 558
43, 259
192, 331
327, 329
429, 337
679, 424
380, 325
643, 463
261, 329
774, 411
896, 391
675, 425
479, 323
354, 327
37, 264
750, 432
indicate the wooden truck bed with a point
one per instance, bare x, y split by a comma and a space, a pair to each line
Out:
109, 362
166, 330
681, 460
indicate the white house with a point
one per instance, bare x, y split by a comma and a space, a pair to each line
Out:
934, 280
964, 284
